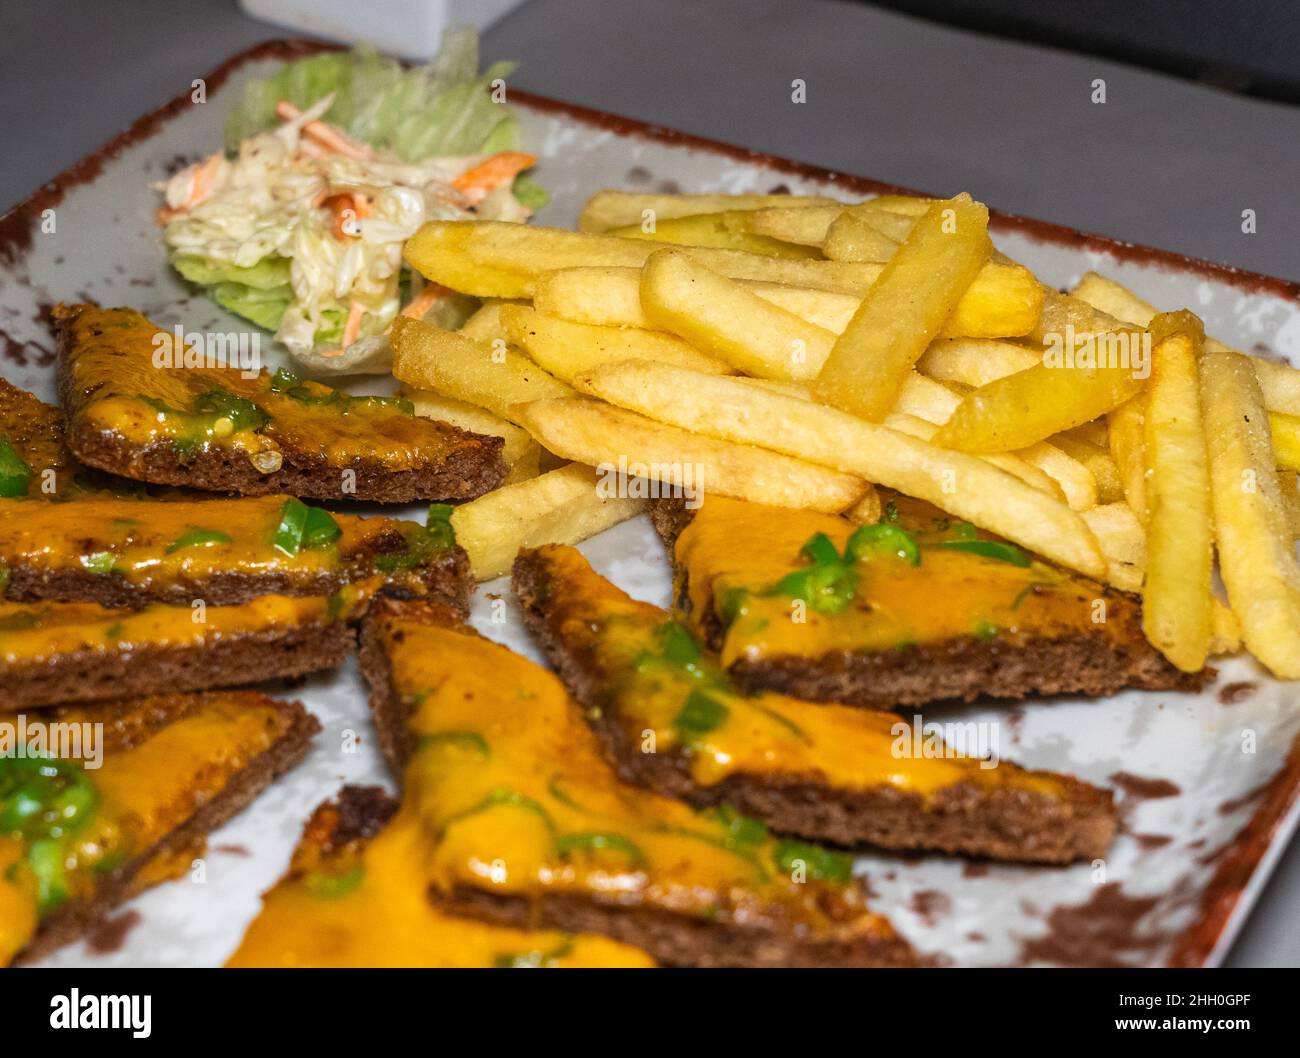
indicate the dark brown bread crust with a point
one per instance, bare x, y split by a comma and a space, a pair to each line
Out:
1092, 665
672, 939
445, 577
467, 472
358, 813
71, 922
228, 661
1003, 823
677, 940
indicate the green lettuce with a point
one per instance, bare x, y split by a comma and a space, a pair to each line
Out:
270, 272
263, 307
443, 107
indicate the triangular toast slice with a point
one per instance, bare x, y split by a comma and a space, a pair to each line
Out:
524, 822
103, 801
139, 406
948, 614
672, 720
354, 895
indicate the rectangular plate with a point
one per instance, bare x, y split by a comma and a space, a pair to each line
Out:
1207, 783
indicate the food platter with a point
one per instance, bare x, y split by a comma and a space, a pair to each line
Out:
1207, 783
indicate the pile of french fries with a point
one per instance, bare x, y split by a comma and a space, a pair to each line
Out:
799, 351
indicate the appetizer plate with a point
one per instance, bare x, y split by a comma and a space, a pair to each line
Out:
1207, 783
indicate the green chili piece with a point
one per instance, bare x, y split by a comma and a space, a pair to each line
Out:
822, 865
15, 474
701, 714
293, 522
319, 530
197, 537
884, 538
994, 549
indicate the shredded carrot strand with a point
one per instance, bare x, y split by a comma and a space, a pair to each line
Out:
499, 169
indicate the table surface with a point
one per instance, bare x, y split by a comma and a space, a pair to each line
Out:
1161, 162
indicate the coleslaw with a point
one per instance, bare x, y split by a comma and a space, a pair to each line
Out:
299, 225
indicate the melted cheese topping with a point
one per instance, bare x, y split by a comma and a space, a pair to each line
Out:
42, 632
514, 797
764, 734
117, 389
164, 758
733, 545
136, 540
385, 916
35, 430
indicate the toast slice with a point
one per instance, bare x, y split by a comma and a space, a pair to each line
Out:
972, 618
355, 895
120, 552
80, 652
670, 720
527, 825
84, 839
138, 407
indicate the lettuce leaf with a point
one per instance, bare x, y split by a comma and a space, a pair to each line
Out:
443, 107
529, 192
270, 272
263, 307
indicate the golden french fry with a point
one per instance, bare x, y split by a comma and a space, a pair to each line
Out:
1021, 409
975, 361
866, 511
565, 506
519, 447
504, 260
485, 324
1073, 478
852, 237
805, 225
905, 205
612, 439
447, 362
1007, 461
963, 485
1279, 382
1126, 438
565, 348
725, 231
1256, 542
1119, 533
720, 316
616, 209
1004, 301
1176, 598
906, 308
1226, 637
1286, 439
1289, 483
1100, 464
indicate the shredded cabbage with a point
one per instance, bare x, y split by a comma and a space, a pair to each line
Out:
332, 163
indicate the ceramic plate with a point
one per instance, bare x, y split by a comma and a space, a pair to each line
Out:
1207, 784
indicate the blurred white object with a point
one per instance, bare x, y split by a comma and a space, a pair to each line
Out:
411, 29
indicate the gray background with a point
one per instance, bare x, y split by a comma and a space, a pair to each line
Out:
1162, 162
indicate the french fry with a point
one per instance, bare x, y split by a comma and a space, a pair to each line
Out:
1177, 613
853, 238
503, 260
1100, 464
519, 447
1256, 542
725, 231
805, 225
1006, 461
616, 209
975, 361
1119, 533
565, 348
1286, 439
1289, 482
866, 511
906, 308
1071, 476
906, 205
718, 315
1021, 409
1126, 438
485, 324
1280, 383
447, 362
564, 506
1004, 301
604, 436
966, 486
1226, 637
